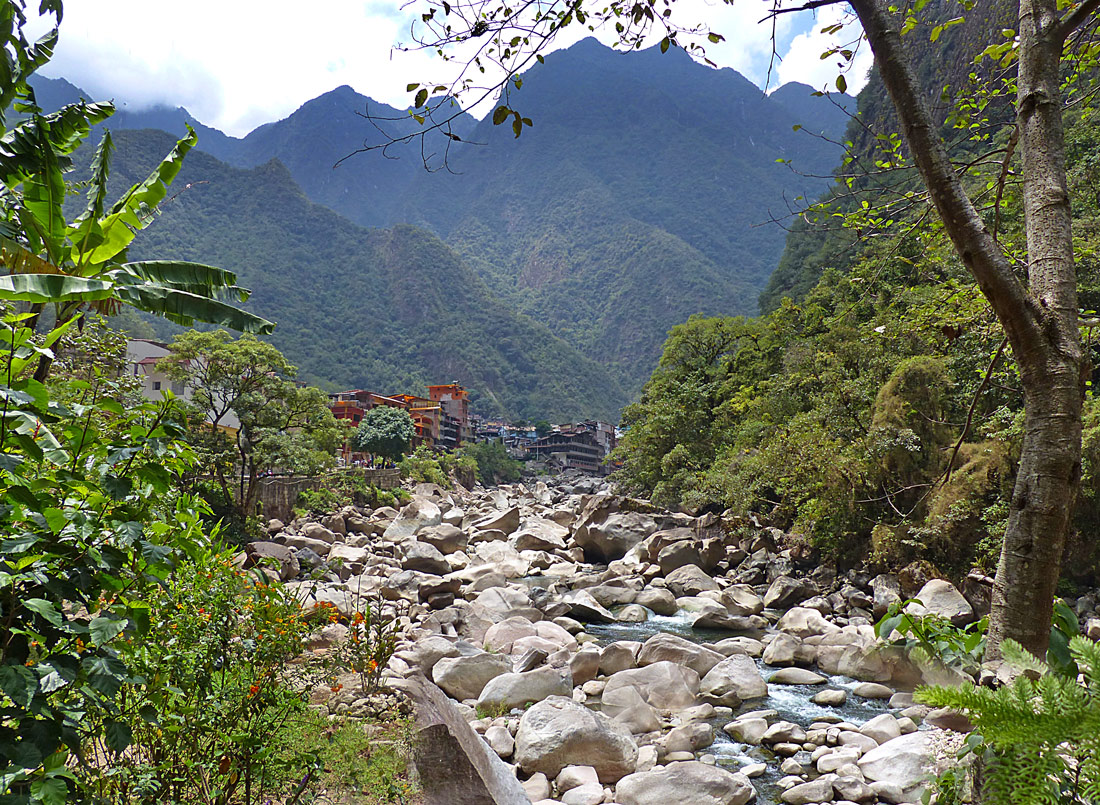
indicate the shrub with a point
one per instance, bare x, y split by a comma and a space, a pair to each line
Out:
493, 463
385, 432
424, 467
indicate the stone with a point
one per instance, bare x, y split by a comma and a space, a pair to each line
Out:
741, 599
558, 732
501, 603
852, 789
739, 645
872, 690
572, 776
587, 609
662, 602
464, 677
318, 532
686, 782
445, 538
632, 613
747, 730
273, 553
627, 707
788, 649
348, 555
900, 762
605, 531
689, 737
940, 597
502, 635
882, 728
584, 665
510, 690
816, 791
500, 740
834, 697
784, 732
747, 625
427, 651
418, 513
796, 676
732, 681
537, 787
682, 552
664, 646
587, 794
617, 657
422, 557
538, 534
689, 580
785, 592
887, 590
506, 521
664, 685
803, 622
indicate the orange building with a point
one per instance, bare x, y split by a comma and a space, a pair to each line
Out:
455, 402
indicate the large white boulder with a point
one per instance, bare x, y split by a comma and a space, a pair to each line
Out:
688, 782
558, 732
902, 763
664, 685
732, 681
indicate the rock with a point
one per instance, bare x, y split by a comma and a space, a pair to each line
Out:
584, 665
747, 625
501, 603
502, 635
739, 645
507, 691
900, 762
445, 538
817, 791
500, 740
537, 787
587, 794
427, 651
348, 555
464, 677
784, 732
422, 557
939, 597
747, 730
830, 698
680, 553
632, 613
788, 649
670, 647
606, 530
852, 789
572, 776
872, 690
662, 602
617, 657
887, 590
419, 513
741, 599
689, 737
273, 553
796, 676
664, 685
732, 681
627, 707
882, 728
785, 592
538, 534
689, 580
559, 732
587, 609
687, 782
507, 521
298, 543
803, 622
318, 532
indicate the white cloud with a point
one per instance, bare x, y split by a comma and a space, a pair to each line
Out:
802, 61
238, 63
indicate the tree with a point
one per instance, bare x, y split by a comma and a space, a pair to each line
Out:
542, 427
385, 432
1039, 315
248, 414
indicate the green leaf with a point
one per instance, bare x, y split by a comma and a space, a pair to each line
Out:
50, 791
44, 197
47, 288
118, 736
186, 308
500, 114
421, 98
841, 84
44, 608
195, 278
411, 87
106, 628
105, 674
665, 45
19, 683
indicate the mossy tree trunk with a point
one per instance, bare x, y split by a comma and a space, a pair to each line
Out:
1039, 318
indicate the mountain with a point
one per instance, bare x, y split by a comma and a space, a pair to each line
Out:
644, 192
385, 309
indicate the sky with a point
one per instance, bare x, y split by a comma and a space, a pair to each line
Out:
236, 64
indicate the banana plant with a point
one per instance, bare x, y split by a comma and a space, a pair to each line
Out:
79, 264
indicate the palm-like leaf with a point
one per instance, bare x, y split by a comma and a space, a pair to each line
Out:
187, 308
217, 283
47, 288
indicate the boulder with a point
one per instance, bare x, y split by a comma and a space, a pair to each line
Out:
939, 597
788, 649
786, 591
618, 657
507, 691
689, 580
687, 782
732, 681
796, 676
741, 599
502, 635
500, 603
747, 730
500, 740
606, 529
902, 763
627, 707
882, 728
558, 732
538, 534
418, 513
819, 790
318, 532
507, 521
670, 647
804, 622
745, 625
444, 538
664, 685
280, 556
464, 677
422, 557
887, 590
587, 609
662, 602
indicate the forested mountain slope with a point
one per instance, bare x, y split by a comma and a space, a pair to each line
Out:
389, 310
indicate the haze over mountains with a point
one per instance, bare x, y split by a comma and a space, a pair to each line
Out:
544, 271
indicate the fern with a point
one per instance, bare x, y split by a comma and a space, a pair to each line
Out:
1041, 732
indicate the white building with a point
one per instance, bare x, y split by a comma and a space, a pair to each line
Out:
142, 357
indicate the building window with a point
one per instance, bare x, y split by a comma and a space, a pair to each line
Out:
156, 385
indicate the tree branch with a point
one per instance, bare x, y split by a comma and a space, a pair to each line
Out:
1075, 18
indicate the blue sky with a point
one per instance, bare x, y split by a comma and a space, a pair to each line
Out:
236, 64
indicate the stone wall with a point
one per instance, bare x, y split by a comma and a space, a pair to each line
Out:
279, 494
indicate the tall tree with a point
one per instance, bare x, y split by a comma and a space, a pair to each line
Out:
1039, 315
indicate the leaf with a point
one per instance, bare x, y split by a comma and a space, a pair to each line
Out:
500, 114
44, 608
118, 735
106, 628
186, 308
195, 278
18, 683
105, 674
411, 87
44, 197
841, 84
421, 98
47, 288
664, 45
50, 791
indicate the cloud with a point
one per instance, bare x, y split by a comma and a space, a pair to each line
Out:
802, 60
241, 63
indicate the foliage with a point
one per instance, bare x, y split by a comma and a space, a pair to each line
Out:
370, 642
213, 693
423, 466
248, 416
493, 464
934, 636
385, 432
1040, 735
347, 488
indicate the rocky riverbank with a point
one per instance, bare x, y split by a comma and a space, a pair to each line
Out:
612, 652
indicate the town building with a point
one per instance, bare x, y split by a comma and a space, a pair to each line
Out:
143, 361
455, 426
571, 447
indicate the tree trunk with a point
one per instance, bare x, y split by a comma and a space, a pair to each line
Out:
1040, 321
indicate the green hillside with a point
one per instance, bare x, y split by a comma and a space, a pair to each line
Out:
389, 310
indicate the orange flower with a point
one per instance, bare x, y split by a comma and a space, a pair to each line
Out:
373, 665
337, 688
252, 691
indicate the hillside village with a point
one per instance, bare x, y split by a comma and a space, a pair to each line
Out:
443, 419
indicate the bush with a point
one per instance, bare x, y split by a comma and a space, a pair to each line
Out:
347, 489
424, 467
494, 465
